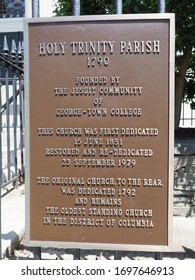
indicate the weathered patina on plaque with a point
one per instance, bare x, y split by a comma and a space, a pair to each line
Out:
99, 99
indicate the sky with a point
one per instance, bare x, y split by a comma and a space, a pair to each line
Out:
46, 7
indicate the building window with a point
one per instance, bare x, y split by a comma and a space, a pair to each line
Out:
12, 8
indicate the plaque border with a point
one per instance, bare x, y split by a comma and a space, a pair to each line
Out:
170, 167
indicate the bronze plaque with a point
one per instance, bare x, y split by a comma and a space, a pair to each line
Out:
99, 125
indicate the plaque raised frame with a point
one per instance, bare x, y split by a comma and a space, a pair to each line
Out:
99, 105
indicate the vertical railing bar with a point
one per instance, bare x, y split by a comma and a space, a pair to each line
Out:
76, 12
15, 124
76, 8
118, 11
21, 124
1, 143
183, 112
117, 255
191, 117
1, 169
161, 9
35, 13
77, 254
35, 8
158, 256
8, 124
37, 253
161, 6
118, 7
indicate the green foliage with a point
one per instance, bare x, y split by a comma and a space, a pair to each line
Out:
139, 7
88, 7
63, 8
98, 7
185, 21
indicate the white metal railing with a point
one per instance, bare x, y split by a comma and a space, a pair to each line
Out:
11, 113
187, 118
